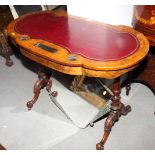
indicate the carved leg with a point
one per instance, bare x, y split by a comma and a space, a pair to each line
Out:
117, 109
6, 50
43, 81
48, 88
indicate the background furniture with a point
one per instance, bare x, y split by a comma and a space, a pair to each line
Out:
144, 21
5, 48
5, 18
18, 10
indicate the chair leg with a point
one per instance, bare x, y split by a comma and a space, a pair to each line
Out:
128, 85
117, 109
6, 50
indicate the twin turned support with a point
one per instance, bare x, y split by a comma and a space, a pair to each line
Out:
117, 109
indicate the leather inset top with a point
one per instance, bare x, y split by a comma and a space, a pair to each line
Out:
88, 39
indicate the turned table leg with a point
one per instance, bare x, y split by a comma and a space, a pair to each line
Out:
43, 81
117, 109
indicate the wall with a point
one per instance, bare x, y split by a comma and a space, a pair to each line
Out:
112, 14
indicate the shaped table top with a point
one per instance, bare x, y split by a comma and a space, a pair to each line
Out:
76, 42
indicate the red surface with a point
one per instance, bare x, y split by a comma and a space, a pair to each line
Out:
78, 36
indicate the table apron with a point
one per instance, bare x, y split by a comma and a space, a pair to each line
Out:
111, 74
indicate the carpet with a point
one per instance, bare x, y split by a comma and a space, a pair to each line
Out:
31, 130
45, 128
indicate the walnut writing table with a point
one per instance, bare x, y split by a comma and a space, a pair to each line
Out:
76, 46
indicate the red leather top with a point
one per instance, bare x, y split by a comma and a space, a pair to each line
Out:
78, 36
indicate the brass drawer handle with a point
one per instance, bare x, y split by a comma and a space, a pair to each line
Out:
46, 48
